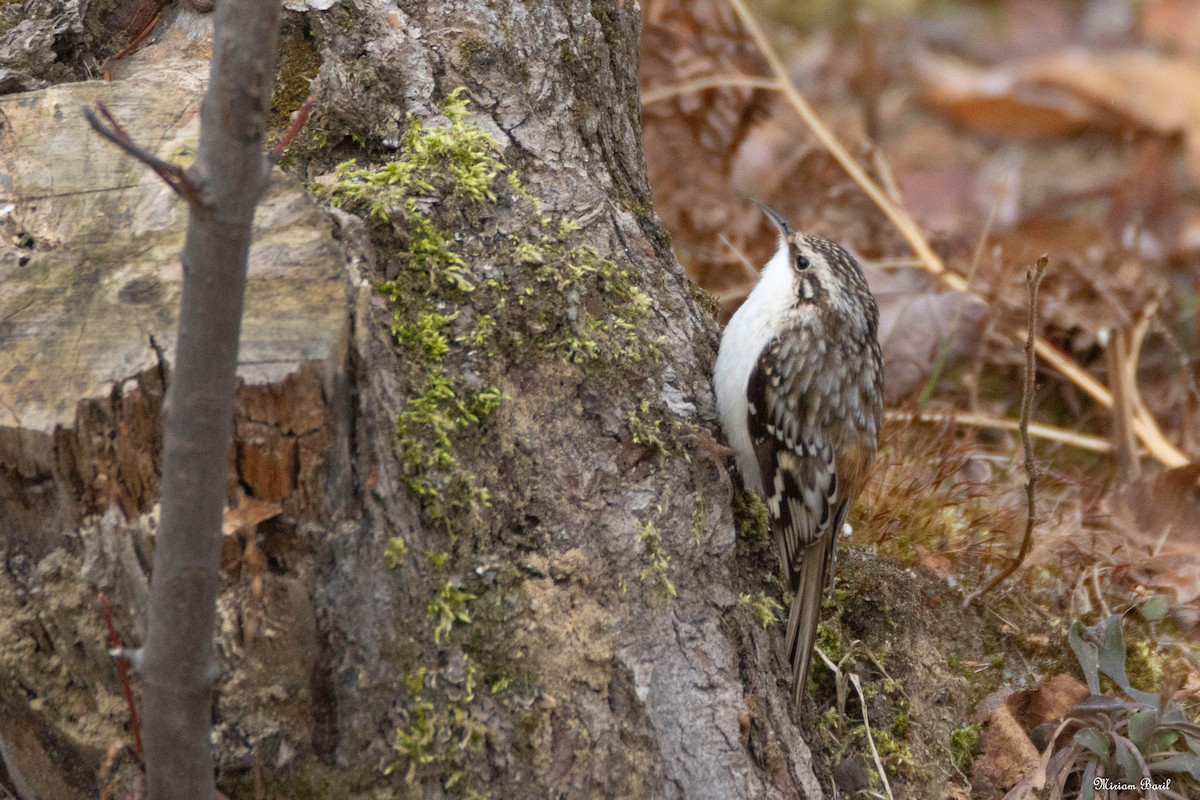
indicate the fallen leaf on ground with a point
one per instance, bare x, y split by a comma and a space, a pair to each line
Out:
1006, 754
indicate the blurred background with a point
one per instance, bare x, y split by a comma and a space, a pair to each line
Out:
1003, 130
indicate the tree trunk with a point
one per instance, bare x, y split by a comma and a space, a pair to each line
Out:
504, 559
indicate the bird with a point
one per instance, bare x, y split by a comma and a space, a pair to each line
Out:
799, 389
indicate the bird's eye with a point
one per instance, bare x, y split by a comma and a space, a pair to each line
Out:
802, 261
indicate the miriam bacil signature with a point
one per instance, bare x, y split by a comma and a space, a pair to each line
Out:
1119, 786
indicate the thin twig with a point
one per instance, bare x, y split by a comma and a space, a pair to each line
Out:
133, 45
173, 175
1033, 279
115, 643
1121, 379
862, 702
703, 84
298, 121
1036, 429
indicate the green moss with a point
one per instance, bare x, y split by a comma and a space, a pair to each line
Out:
447, 607
481, 333
829, 640
560, 278
537, 286
1145, 665
765, 609
656, 560
424, 429
395, 551
480, 275
964, 745
472, 49
438, 735
894, 751
645, 430
426, 334
457, 160
751, 517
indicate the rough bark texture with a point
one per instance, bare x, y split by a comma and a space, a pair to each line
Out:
575, 634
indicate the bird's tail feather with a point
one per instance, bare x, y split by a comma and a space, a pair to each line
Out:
806, 612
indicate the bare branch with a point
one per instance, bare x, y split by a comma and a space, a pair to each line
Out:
298, 122
173, 175
1033, 279
178, 664
114, 642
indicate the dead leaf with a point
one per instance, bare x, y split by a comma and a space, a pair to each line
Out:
1158, 501
1158, 520
1067, 93
916, 322
248, 514
1006, 754
1050, 701
1155, 92
998, 101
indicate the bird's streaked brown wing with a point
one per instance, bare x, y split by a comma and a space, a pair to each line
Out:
803, 498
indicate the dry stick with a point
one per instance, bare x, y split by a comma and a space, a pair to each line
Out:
1037, 430
298, 121
1033, 279
116, 646
173, 175
734, 81
1120, 381
862, 703
1144, 425
1137, 338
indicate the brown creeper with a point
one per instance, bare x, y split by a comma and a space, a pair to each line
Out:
799, 388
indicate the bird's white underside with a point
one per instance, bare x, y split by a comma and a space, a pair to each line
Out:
745, 337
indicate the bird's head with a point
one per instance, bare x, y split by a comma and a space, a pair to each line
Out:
823, 273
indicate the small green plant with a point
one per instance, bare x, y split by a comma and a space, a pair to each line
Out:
395, 552
447, 607
656, 560
964, 745
764, 608
1109, 743
751, 517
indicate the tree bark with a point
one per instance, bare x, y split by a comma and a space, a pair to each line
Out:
628, 690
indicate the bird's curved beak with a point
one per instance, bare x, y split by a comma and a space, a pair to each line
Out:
778, 221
